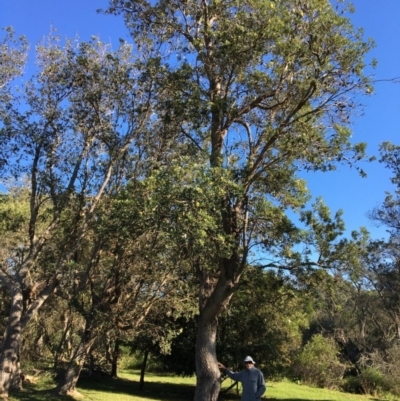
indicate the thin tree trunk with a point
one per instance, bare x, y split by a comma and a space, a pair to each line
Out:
91, 364
39, 346
63, 340
9, 360
114, 361
143, 370
67, 384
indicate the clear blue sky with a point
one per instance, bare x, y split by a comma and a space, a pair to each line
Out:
344, 189
380, 121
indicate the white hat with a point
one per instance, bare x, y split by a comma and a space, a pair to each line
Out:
249, 359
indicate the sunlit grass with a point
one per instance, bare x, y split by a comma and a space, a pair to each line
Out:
291, 391
173, 388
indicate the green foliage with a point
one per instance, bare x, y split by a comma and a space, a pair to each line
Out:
14, 216
319, 364
371, 381
153, 173
264, 320
13, 54
255, 90
254, 102
388, 213
256, 322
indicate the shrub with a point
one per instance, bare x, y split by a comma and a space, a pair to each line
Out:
318, 363
371, 381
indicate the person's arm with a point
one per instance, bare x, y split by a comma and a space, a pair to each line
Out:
261, 387
232, 375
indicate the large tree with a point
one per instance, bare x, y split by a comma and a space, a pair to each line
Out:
261, 88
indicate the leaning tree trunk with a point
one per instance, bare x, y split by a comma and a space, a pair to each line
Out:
9, 359
10, 374
67, 384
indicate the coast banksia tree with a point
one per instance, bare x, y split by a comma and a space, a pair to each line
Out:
262, 89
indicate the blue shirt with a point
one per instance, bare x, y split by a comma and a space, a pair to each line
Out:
252, 381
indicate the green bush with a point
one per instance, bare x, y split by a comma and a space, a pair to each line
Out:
129, 360
133, 361
352, 385
371, 381
380, 373
318, 363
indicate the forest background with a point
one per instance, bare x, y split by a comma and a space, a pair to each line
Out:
104, 291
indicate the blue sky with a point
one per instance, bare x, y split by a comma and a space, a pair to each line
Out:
380, 120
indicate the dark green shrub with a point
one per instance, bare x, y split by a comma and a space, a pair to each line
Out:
351, 384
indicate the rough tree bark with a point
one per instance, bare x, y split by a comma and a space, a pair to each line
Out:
67, 384
9, 359
215, 293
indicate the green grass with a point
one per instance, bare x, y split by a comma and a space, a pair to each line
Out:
286, 391
172, 388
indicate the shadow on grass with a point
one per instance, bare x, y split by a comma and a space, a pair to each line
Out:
158, 390
153, 390
31, 393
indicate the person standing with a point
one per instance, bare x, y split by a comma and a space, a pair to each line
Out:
252, 380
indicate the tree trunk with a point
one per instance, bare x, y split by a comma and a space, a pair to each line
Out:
9, 359
64, 340
215, 292
91, 364
143, 370
114, 361
10, 374
208, 375
39, 346
16, 378
67, 384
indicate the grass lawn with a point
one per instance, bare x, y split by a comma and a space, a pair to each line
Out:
172, 388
